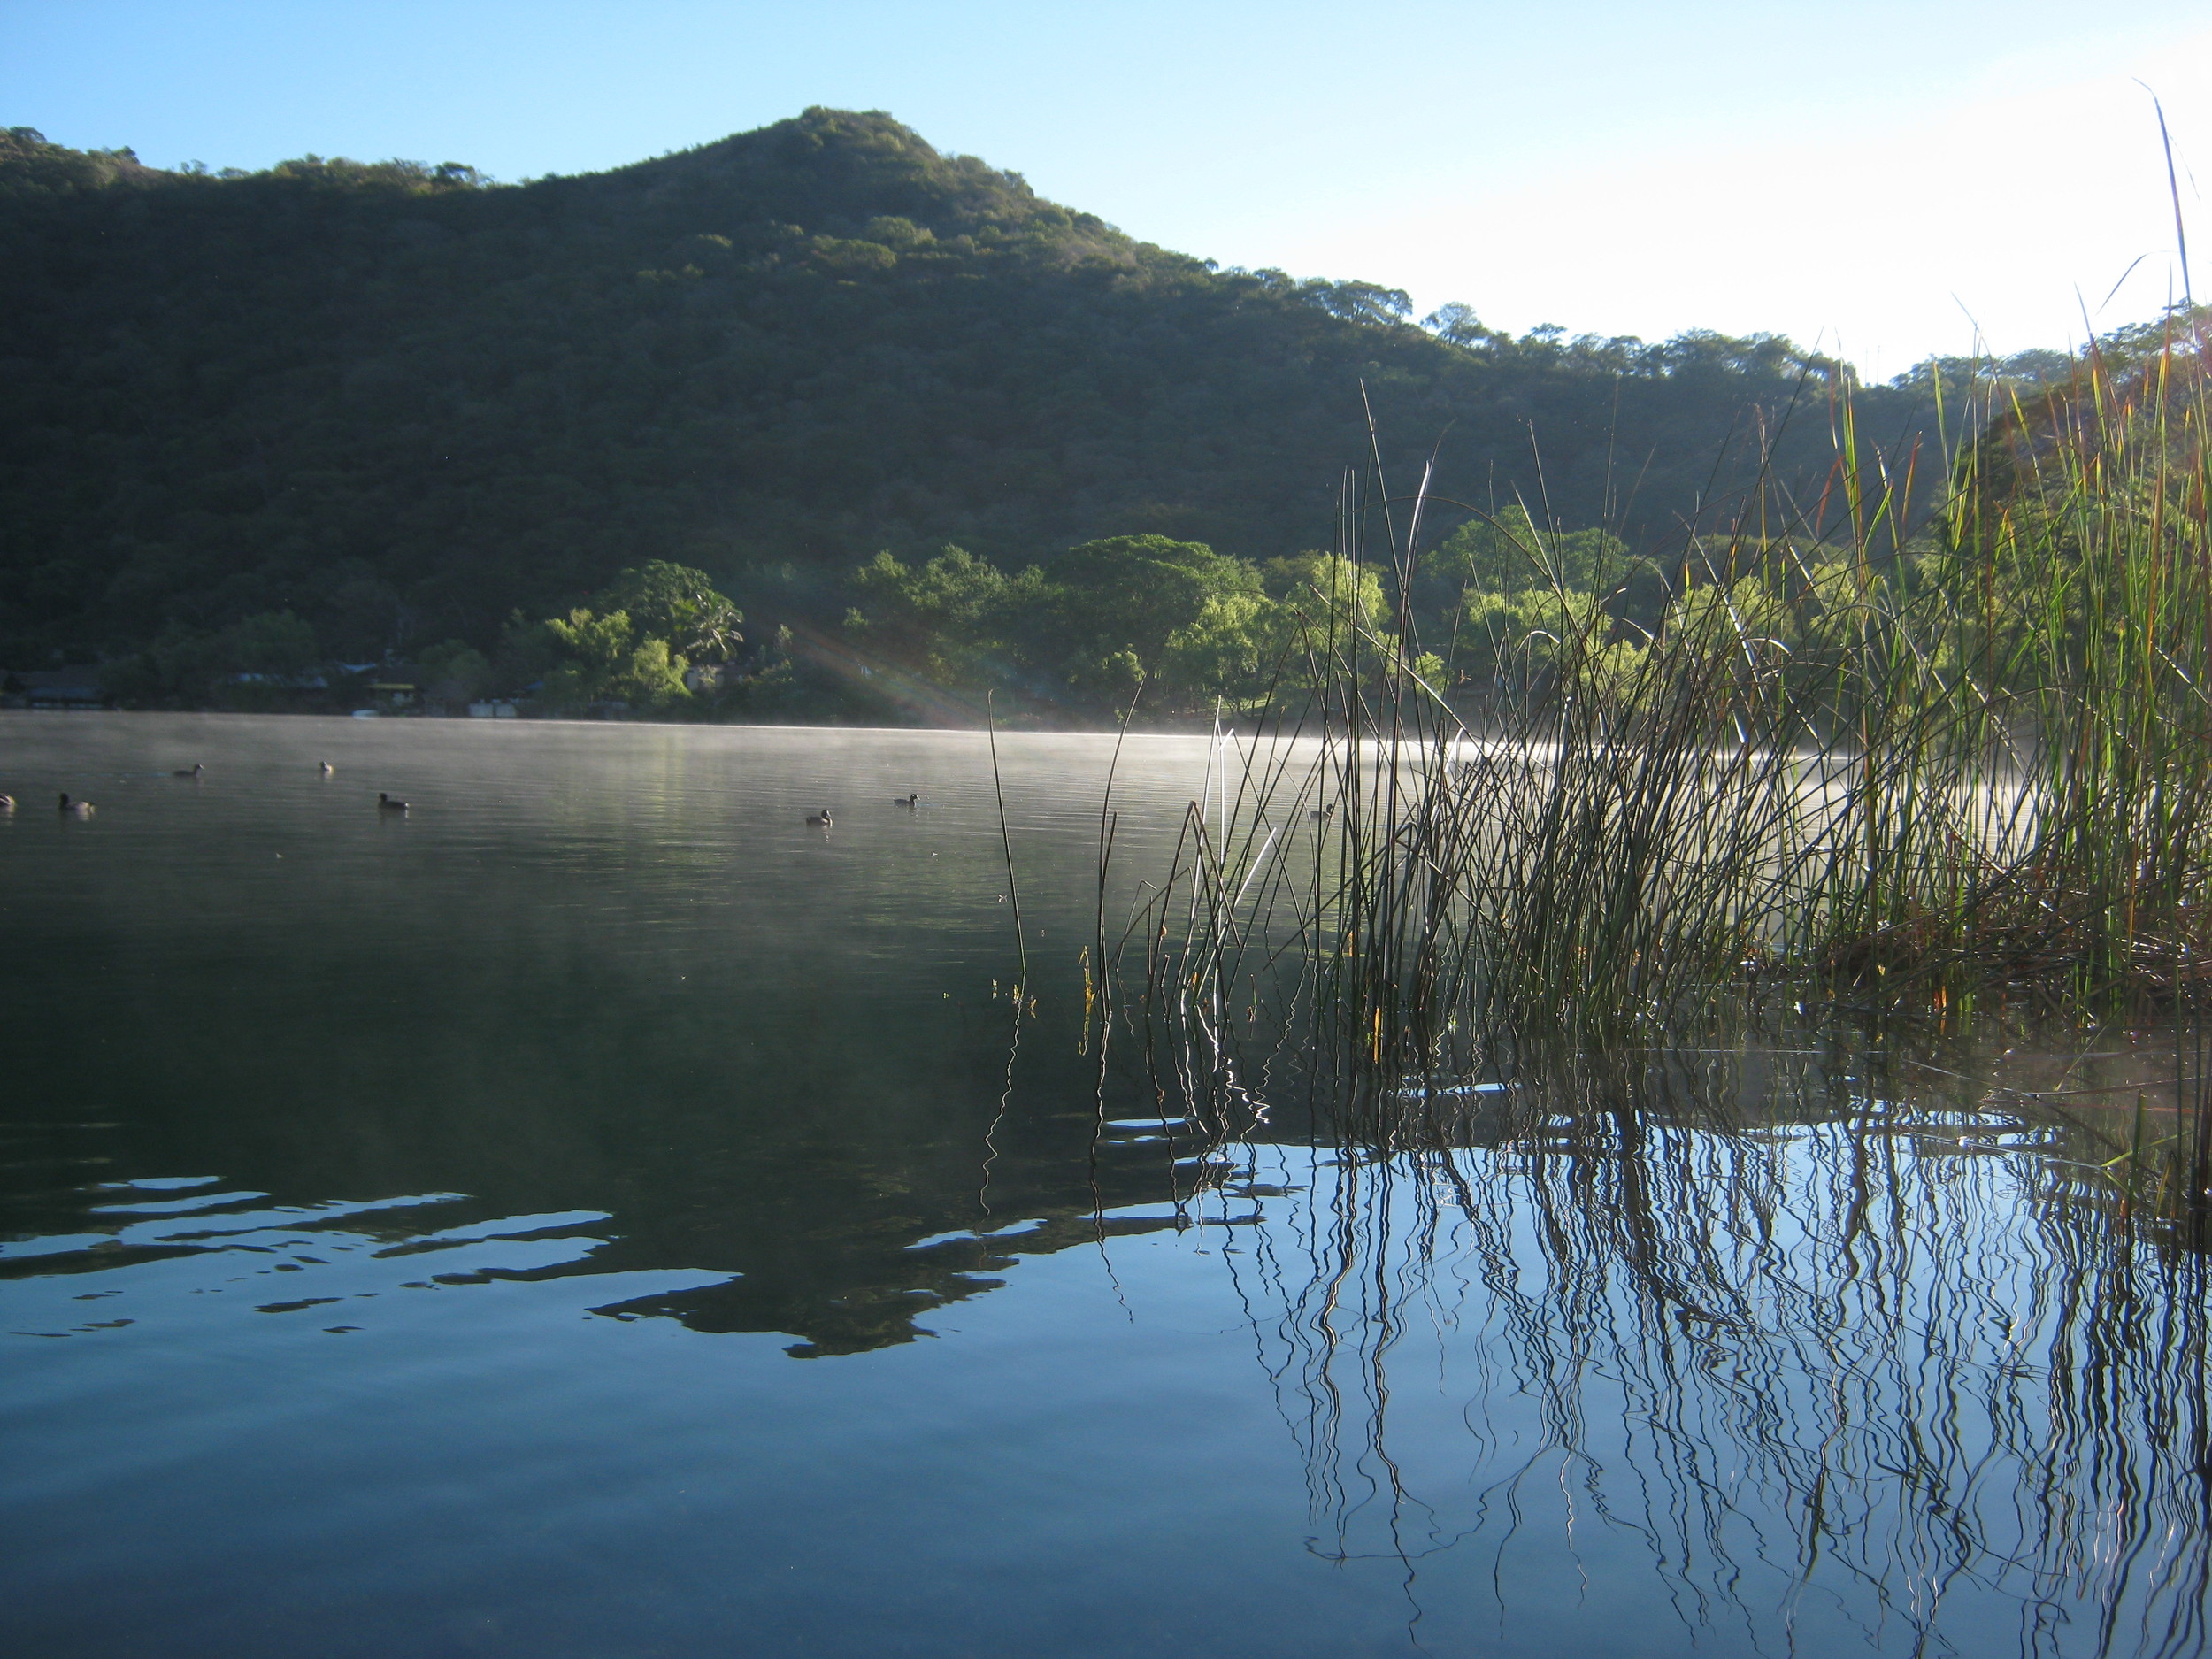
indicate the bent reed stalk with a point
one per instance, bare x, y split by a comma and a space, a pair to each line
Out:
1859, 761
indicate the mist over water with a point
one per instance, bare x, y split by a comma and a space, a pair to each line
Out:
595, 1213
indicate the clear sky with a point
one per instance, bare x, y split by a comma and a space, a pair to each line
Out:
1881, 177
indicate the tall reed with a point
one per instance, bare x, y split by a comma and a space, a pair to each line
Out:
1859, 761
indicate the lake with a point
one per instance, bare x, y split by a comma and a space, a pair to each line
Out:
595, 1212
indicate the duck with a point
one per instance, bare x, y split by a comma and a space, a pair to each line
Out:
909, 801
385, 804
327, 768
193, 770
75, 808
7, 803
1322, 814
821, 817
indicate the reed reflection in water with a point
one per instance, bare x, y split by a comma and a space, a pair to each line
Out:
410, 1227
1858, 1372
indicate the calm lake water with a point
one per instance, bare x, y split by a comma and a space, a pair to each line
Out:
596, 1214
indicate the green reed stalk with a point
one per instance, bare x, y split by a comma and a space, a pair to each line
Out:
1859, 763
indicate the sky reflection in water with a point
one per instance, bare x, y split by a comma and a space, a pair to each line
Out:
594, 1216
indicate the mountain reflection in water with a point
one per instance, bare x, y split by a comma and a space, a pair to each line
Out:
403, 1227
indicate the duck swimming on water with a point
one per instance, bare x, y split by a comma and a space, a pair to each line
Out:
7, 803
193, 770
327, 768
909, 801
75, 808
385, 804
821, 817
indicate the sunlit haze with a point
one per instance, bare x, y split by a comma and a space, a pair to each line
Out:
1883, 186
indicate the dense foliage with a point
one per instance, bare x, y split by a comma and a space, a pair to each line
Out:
351, 411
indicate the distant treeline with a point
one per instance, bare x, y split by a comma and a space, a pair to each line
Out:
345, 412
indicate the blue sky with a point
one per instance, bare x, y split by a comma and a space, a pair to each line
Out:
1886, 177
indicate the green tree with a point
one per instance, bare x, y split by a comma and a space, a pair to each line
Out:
633, 643
1228, 649
1318, 587
1508, 642
1127, 597
1509, 553
948, 618
678, 604
599, 659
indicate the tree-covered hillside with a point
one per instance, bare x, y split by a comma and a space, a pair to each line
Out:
400, 403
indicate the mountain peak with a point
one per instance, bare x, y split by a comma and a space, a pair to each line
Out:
826, 165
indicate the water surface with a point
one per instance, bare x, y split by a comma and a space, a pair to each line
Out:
595, 1213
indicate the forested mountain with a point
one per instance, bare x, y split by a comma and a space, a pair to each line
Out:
400, 402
